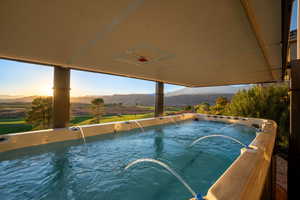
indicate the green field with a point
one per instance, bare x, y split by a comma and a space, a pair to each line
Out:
118, 118
12, 115
79, 119
15, 125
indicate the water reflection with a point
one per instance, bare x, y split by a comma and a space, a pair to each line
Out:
60, 174
158, 142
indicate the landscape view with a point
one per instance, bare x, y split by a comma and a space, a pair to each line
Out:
15, 110
151, 100
26, 113
100, 98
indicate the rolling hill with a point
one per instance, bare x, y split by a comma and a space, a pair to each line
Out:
182, 97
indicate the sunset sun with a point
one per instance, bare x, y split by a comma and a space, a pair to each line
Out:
45, 90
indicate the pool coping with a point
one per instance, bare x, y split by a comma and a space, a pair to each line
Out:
244, 178
13, 141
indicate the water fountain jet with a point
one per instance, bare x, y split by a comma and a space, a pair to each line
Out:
225, 127
216, 135
175, 122
82, 134
169, 169
139, 125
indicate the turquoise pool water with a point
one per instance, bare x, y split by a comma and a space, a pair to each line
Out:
72, 170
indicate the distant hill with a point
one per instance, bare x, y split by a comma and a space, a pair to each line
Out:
209, 90
9, 96
148, 100
182, 97
193, 99
137, 99
126, 99
12, 99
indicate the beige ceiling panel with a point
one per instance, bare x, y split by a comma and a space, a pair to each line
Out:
192, 42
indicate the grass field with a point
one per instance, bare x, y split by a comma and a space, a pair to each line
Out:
118, 118
13, 126
11, 120
16, 125
79, 119
12, 115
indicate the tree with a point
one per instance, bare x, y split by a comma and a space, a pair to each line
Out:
40, 113
203, 108
188, 108
269, 102
223, 101
220, 106
97, 109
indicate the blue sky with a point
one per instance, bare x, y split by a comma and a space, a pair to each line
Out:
18, 78
294, 16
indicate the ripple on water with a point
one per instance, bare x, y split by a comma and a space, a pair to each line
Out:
71, 170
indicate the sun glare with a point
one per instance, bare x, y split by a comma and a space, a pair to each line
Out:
46, 90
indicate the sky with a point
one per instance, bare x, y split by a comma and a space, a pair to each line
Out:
294, 16
23, 79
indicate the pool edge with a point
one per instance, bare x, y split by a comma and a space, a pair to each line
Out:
244, 179
20, 140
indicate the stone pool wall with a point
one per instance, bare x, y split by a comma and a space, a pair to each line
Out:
33, 138
246, 177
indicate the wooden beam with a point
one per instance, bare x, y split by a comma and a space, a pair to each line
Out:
286, 13
61, 97
159, 99
294, 137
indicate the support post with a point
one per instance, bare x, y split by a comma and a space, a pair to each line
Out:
61, 97
294, 137
298, 30
159, 99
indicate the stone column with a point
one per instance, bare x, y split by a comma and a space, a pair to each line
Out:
61, 97
159, 99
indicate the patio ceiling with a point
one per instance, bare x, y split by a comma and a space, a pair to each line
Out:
192, 42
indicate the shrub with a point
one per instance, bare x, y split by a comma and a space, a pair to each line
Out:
269, 102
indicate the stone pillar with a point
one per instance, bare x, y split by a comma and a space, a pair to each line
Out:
159, 99
61, 97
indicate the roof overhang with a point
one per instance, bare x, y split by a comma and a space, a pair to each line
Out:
192, 43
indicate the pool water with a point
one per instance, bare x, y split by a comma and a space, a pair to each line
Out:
72, 170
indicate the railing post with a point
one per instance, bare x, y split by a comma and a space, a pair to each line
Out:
61, 97
159, 99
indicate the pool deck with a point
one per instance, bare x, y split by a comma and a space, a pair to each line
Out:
281, 178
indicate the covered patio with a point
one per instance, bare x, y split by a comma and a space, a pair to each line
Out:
189, 43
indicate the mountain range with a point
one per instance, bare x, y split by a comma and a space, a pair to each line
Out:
209, 90
182, 97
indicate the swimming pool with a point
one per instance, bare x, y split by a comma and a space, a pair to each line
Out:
73, 170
